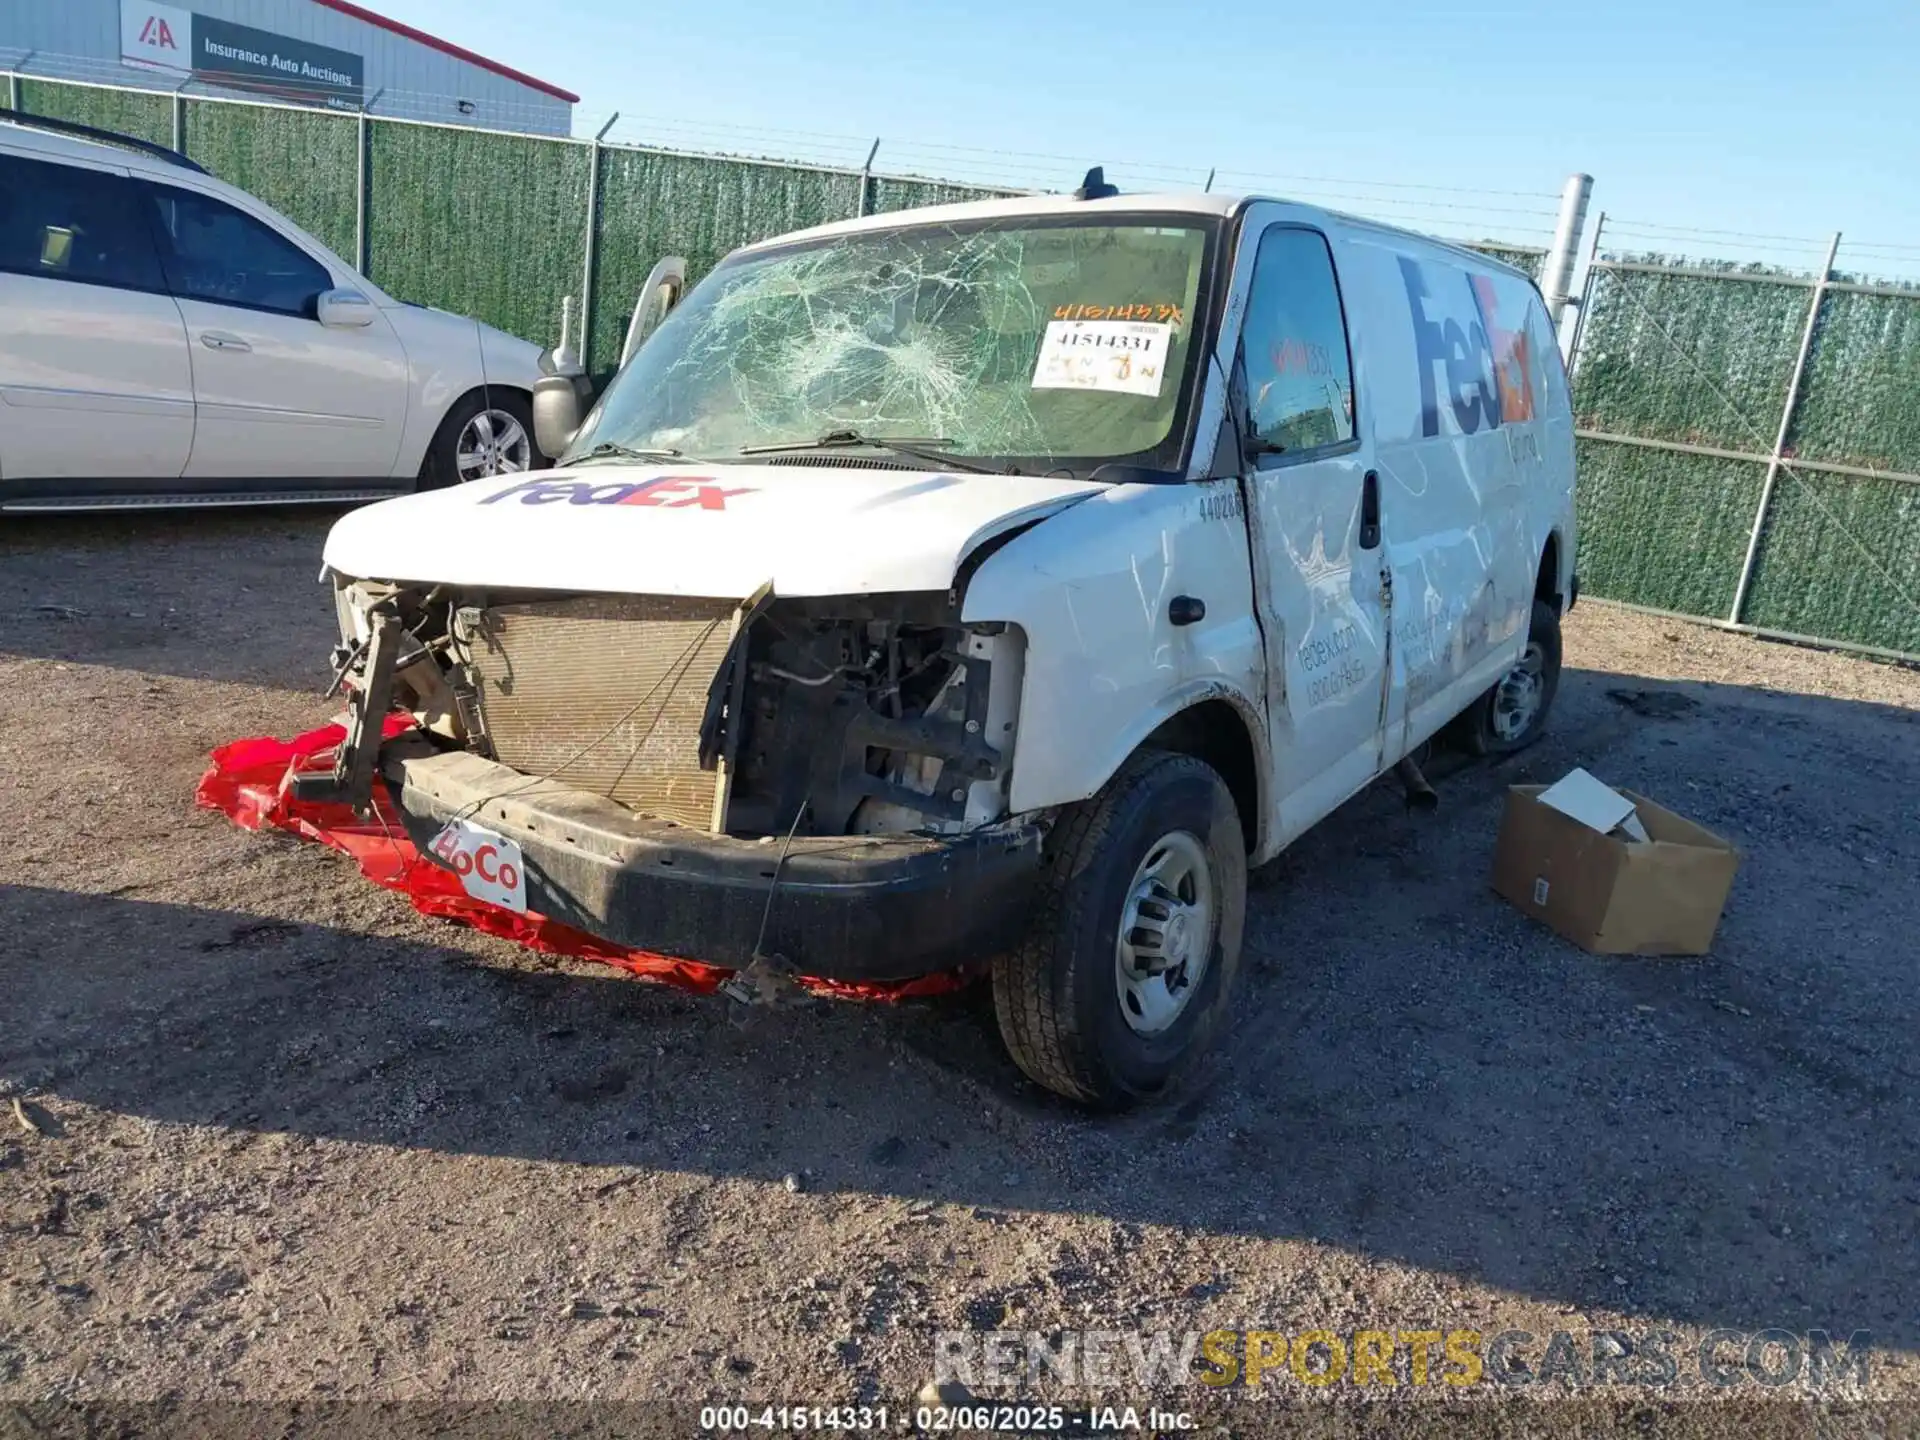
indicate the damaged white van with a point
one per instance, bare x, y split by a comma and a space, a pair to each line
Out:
984, 586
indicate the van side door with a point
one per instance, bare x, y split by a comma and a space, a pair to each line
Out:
94, 378
1460, 446
1313, 514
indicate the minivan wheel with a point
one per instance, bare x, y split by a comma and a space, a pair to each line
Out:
488, 434
1513, 714
1128, 967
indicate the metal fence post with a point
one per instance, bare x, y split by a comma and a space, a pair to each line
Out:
363, 186
13, 90
1586, 297
1786, 426
1557, 273
179, 108
866, 181
592, 246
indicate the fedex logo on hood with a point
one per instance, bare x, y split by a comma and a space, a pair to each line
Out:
672, 492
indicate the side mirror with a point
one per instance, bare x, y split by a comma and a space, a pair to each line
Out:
665, 284
343, 310
556, 414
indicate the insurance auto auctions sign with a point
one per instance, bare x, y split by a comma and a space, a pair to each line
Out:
239, 57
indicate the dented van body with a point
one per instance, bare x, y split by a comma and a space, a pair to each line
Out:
987, 585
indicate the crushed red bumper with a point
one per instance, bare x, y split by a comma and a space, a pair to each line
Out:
249, 781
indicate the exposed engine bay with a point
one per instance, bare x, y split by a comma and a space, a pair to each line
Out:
867, 714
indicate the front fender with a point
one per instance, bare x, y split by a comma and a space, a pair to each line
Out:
1105, 666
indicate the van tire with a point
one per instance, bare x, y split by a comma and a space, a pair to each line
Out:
441, 468
1481, 729
1058, 996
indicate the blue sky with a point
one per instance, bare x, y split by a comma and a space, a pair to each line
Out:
1780, 120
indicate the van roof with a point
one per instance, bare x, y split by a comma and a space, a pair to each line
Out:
1211, 204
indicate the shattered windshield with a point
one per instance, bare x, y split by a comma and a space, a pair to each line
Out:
1036, 343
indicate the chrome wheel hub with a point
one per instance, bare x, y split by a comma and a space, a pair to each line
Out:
492, 443
1520, 694
1166, 933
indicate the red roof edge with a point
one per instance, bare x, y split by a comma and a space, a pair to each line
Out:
447, 47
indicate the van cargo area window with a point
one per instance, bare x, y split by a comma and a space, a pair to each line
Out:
1038, 343
1299, 372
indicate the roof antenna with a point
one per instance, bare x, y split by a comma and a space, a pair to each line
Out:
1095, 186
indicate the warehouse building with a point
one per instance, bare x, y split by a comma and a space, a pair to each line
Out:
312, 52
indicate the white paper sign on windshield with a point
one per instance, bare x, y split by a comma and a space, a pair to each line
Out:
1127, 356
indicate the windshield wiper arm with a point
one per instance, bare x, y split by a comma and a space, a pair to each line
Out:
613, 450
924, 448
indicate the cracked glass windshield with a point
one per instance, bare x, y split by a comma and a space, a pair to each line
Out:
1038, 344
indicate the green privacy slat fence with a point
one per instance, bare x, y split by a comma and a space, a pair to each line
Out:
1840, 559
139, 113
1862, 400
1663, 529
481, 224
301, 162
495, 226
1704, 361
1674, 358
654, 204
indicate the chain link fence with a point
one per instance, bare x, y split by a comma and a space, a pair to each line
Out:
1749, 446
1749, 436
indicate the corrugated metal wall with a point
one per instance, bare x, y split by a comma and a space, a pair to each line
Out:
80, 40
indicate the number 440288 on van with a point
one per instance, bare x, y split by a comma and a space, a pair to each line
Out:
985, 586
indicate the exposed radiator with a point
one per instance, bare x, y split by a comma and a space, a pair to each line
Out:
603, 693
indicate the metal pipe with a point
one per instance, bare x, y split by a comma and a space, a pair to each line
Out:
13, 90
591, 257
362, 188
1715, 452
866, 180
1586, 296
1780, 437
1557, 274
180, 116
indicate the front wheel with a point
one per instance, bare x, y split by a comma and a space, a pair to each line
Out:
1127, 971
488, 434
1513, 714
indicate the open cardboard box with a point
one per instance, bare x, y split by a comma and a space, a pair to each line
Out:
1606, 891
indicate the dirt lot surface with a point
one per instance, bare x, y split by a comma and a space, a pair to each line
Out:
292, 1139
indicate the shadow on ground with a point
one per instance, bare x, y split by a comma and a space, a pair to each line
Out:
1416, 1073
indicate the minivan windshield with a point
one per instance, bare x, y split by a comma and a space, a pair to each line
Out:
1035, 343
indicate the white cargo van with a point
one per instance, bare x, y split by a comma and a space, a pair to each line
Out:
984, 586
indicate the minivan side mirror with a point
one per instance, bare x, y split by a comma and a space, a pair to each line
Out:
556, 414
343, 310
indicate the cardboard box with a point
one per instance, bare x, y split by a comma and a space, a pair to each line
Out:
1608, 893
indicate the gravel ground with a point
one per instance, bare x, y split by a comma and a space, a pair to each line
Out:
293, 1140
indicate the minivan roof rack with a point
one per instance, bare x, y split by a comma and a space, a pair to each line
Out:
104, 137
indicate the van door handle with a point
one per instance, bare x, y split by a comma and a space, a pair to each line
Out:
220, 340
1370, 511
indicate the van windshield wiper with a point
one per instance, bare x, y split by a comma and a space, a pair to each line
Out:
613, 450
924, 448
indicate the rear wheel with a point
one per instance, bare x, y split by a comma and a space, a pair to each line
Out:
1513, 714
1126, 973
490, 433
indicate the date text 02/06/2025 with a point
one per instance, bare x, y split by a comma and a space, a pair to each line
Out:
1032, 1421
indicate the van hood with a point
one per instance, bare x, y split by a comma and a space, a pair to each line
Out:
716, 531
